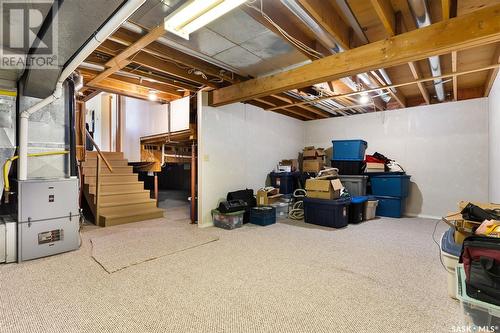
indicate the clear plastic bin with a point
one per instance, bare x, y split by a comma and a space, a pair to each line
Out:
371, 209
228, 221
477, 316
281, 210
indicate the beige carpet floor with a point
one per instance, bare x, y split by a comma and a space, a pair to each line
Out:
379, 276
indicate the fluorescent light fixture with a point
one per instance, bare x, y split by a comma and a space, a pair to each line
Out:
152, 96
364, 99
195, 14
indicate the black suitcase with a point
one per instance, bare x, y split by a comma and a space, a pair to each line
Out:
248, 197
481, 259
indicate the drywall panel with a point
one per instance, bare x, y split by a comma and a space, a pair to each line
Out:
494, 137
179, 114
444, 147
141, 118
239, 144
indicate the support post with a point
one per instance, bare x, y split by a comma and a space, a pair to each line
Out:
193, 184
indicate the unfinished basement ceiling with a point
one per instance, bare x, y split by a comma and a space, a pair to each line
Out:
236, 40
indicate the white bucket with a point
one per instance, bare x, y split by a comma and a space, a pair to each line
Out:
371, 209
450, 262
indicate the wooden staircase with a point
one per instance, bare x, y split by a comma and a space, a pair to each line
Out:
116, 196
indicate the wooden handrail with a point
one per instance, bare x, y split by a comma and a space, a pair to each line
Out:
98, 150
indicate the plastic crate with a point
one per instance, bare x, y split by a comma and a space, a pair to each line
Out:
328, 213
285, 181
355, 185
265, 215
450, 253
390, 185
349, 167
351, 150
281, 209
478, 316
228, 221
370, 209
357, 209
390, 206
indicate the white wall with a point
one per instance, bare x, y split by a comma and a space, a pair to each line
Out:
239, 144
494, 135
444, 147
141, 118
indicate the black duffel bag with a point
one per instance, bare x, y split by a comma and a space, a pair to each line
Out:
232, 206
481, 259
248, 197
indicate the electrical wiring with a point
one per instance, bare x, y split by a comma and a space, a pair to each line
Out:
300, 45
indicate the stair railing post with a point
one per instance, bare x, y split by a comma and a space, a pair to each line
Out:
97, 189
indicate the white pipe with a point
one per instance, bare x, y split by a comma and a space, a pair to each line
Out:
111, 25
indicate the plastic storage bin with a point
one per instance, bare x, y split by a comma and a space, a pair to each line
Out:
390, 185
450, 253
285, 181
477, 316
370, 209
265, 215
353, 150
228, 221
281, 210
328, 213
349, 167
390, 206
357, 209
355, 185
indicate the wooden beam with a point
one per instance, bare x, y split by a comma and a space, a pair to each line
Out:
445, 9
138, 45
493, 73
328, 18
463, 32
93, 94
283, 112
426, 79
137, 81
454, 65
159, 65
296, 111
123, 88
415, 71
121, 60
129, 37
384, 10
310, 111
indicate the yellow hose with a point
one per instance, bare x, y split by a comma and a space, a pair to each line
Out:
7, 164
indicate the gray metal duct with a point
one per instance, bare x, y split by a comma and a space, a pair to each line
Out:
420, 12
76, 22
332, 44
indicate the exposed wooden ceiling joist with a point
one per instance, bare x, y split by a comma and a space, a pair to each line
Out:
128, 37
156, 63
122, 60
137, 81
327, 17
385, 12
493, 73
467, 31
415, 71
128, 89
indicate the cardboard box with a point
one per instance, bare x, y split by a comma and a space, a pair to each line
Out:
324, 189
265, 198
371, 165
294, 164
313, 165
312, 153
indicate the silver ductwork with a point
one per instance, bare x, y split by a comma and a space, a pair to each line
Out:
420, 12
331, 43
